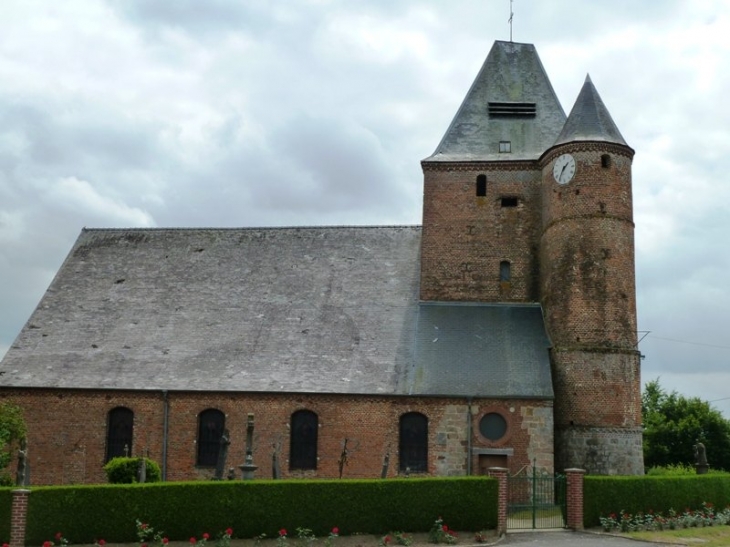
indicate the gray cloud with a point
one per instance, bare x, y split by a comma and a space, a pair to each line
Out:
224, 113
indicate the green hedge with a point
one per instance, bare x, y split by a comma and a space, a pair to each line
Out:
6, 502
123, 470
182, 510
605, 495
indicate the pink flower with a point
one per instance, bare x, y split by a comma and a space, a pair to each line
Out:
335, 530
206, 536
445, 528
229, 531
47, 544
193, 541
282, 532
165, 541
101, 543
143, 545
143, 526
59, 535
387, 539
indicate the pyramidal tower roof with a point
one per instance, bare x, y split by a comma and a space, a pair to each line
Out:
511, 101
589, 120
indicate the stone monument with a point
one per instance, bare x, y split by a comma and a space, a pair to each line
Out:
248, 468
701, 465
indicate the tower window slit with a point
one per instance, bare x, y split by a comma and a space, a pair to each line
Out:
481, 185
505, 273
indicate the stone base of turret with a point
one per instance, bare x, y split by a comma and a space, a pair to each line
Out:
600, 451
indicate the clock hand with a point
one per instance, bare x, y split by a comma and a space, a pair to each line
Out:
563, 170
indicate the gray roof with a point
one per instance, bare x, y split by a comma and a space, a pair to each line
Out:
481, 350
589, 120
512, 73
323, 310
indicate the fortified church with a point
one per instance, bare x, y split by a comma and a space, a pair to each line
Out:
501, 332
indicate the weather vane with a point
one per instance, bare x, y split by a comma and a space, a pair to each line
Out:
511, 15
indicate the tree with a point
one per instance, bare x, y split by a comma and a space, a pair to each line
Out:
12, 429
673, 424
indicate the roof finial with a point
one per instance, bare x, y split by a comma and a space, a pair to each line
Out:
511, 15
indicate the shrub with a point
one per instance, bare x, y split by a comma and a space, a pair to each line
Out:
124, 470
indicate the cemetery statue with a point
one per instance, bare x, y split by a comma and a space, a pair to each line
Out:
386, 463
701, 465
21, 477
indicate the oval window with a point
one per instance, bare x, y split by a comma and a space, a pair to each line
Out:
493, 426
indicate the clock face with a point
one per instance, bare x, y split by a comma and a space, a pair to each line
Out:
564, 169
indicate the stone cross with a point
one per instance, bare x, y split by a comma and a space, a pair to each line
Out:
220, 466
248, 468
141, 470
275, 468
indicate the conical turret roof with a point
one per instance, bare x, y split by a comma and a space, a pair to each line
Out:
589, 119
511, 100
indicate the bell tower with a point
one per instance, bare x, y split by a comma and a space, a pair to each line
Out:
588, 292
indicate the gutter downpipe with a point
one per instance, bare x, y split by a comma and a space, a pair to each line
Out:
468, 436
165, 419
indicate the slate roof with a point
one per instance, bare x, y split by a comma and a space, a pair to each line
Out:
512, 73
589, 120
316, 310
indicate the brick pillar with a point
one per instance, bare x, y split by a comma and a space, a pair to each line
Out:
574, 487
18, 514
500, 473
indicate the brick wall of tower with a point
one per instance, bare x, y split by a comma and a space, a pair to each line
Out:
588, 293
465, 237
587, 251
67, 431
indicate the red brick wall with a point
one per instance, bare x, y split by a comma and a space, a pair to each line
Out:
67, 431
465, 237
588, 293
587, 251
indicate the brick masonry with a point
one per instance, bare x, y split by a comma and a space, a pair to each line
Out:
67, 431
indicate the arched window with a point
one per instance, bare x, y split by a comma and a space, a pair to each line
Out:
605, 161
505, 271
211, 423
413, 443
303, 440
481, 185
119, 432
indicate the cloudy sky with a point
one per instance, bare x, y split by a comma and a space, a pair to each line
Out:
144, 113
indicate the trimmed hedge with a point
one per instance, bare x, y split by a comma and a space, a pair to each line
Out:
123, 470
182, 510
605, 495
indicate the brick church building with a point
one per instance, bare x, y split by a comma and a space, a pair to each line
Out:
500, 332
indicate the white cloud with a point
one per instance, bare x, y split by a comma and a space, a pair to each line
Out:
79, 196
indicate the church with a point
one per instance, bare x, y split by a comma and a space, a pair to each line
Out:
500, 332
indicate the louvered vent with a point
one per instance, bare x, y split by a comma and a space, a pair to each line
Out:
512, 110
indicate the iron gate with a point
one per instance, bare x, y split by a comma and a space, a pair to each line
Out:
536, 499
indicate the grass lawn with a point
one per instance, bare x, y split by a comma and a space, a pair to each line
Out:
712, 536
